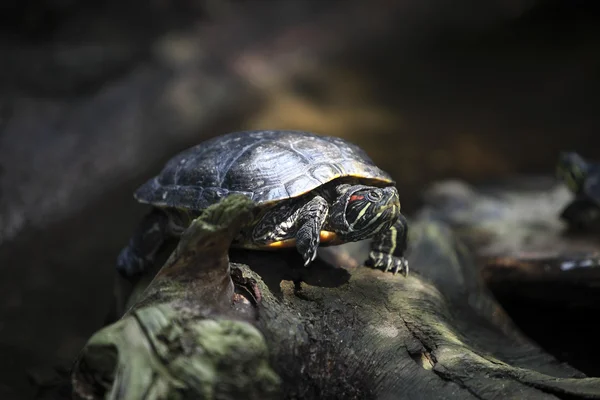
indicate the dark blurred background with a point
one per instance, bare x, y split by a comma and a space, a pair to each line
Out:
97, 94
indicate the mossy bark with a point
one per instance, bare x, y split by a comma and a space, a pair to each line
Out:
326, 331
182, 338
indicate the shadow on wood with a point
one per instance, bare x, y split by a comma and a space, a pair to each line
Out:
324, 332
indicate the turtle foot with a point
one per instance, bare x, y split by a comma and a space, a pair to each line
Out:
388, 262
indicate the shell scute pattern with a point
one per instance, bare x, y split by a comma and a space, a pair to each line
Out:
277, 192
323, 172
266, 166
300, 185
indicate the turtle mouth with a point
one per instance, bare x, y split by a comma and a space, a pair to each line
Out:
393, 198
392, 207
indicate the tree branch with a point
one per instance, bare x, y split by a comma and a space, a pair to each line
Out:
331, 331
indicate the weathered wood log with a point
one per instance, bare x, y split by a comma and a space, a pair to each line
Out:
183, 339
545, 274
333, 330
525, 248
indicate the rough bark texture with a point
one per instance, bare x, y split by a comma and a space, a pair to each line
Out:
331, 331
544, 274
182, 338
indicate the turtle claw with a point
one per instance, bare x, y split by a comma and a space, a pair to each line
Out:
401, 265
388, 263
308, 257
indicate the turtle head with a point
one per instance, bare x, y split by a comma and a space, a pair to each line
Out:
363, 211
572, 170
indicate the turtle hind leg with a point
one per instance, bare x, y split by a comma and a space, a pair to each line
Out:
387, 248
148, 238
310, 221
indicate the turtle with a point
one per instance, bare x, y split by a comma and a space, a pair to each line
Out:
583, 179
308, 190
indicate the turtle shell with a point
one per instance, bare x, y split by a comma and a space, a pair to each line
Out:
267, 166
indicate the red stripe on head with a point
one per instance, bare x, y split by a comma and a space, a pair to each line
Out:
356, 197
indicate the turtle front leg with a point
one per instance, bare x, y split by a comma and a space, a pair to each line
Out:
387, 248
310, 220
143, 246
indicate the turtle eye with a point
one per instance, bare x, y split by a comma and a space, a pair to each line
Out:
374, 196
